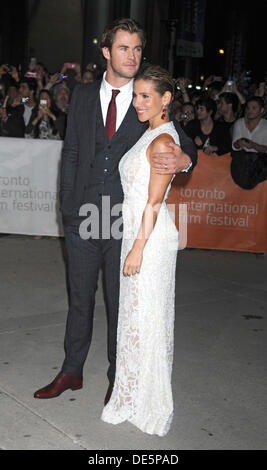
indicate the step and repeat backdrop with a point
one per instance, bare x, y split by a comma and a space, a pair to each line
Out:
220, 214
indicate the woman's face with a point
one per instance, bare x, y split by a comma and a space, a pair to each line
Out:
147, 101
46, 97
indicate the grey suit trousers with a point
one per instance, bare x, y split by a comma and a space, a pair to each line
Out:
85, 258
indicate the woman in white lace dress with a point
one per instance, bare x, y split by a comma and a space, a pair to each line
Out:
142, 391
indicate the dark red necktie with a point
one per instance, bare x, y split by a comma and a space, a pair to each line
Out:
112, 115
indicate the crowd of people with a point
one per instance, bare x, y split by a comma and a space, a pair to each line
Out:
211, 114
36, 105
220, 116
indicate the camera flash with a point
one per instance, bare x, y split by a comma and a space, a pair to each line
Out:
95, 41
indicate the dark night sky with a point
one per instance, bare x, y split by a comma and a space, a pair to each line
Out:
219, 13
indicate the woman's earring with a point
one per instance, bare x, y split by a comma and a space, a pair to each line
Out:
163, 113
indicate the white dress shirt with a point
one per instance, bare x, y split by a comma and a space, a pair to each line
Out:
27, 114
258, 135
123, 99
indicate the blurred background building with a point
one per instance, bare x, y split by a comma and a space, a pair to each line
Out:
184, 36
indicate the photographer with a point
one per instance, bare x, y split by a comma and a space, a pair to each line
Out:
249, 154
227, 109
10, 70
211, 136
61, 95
43, 123
72, 71
187, 114
38, 71
250, 132
182, 84
11, 114
27, 90
231, 87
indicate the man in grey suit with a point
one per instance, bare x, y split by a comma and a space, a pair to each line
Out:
102, 127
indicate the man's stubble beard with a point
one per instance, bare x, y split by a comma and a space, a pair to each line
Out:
122, 74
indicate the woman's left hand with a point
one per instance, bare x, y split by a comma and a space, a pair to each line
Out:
132, 264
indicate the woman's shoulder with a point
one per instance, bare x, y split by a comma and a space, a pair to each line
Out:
158, 144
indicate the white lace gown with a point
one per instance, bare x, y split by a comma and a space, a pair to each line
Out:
142, 391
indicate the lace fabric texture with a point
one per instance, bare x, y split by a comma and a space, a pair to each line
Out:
142, 391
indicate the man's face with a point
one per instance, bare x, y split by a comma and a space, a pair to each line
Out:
253, 110
62, 95
123, 60
24, 90
87, 77
202, 112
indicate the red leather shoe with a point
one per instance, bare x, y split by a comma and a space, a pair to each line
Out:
109, 393
61, 383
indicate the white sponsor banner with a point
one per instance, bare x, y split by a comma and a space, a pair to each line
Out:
29, 181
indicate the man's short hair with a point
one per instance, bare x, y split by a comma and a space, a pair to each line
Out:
31, 82
230, 98
58, 87
258, 100
121, 24
209, 104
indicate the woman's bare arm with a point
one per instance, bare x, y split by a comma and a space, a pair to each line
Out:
157, 188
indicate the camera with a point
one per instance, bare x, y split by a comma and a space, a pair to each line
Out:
62, 77
183, 116
31, 74
25, 100
43, 103
70, 65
